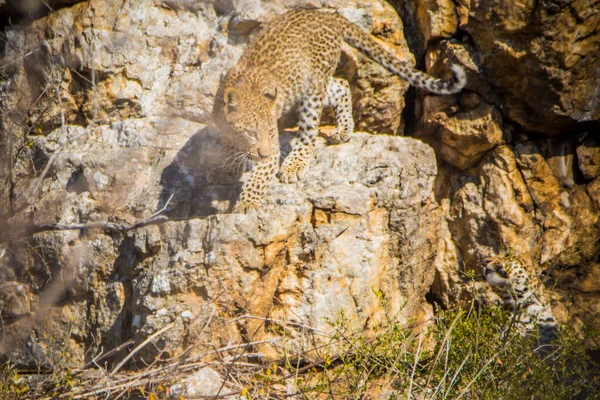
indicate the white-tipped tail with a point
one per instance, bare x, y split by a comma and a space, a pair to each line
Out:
460, 78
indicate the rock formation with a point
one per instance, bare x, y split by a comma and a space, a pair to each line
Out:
107, 115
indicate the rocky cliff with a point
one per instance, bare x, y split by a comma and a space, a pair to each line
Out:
107, 116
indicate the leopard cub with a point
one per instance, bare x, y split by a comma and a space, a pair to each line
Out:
289, 63
509, 278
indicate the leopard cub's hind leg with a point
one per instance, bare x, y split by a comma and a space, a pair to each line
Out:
340, 98
336, 95
296, 162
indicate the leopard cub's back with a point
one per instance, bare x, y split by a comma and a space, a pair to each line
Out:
298, 49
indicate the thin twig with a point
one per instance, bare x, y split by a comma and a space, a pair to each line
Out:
2, 326
139, 347
322, 361
443, 346
233, 347
489, 361
516, 313
155, 218
61, 142
193, 363
454, 377
6, 66
107, 354
182, 356
142, 378
414, 369
266, 319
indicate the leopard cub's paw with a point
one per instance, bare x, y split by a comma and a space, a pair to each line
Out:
245, 205
292, 170
339, 136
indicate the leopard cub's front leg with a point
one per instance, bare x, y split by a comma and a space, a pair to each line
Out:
254, 188
295, 163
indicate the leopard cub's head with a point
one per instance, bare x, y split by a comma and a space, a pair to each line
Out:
250, 108
495, 274
507, 273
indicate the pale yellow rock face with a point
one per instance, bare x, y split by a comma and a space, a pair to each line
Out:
514, 201
534, 70
378, 95
438, 17
588, 155
329, 248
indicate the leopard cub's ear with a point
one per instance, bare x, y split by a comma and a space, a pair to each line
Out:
270, 93
230, 96
231, 100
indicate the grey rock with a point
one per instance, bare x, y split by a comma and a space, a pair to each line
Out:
201, 384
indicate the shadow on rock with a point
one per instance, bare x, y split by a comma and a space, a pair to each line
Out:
203, 179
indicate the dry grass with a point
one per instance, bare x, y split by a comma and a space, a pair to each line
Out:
476, 356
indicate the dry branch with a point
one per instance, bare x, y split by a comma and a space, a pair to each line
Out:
139, 347
172, 371
31, 229
103, 356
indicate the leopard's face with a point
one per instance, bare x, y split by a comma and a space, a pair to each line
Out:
250, 108
506, 275
495, 274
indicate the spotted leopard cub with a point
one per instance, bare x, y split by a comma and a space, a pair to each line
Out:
290, 63
510, 280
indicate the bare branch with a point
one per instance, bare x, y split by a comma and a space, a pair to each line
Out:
102, 356
32, 229
6, 66
61, 143
139, 347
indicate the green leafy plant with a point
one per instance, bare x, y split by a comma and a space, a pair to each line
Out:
12, 385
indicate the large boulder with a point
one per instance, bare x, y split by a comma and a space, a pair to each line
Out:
109, 107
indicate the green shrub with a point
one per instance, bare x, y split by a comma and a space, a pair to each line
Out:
478, 353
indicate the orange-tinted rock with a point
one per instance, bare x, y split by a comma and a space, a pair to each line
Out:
464, 130
542, 57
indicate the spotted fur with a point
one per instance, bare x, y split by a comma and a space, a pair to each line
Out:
509, 278
291, 62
